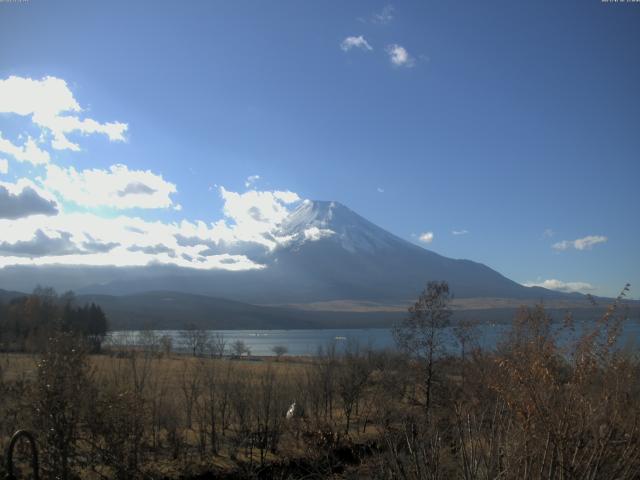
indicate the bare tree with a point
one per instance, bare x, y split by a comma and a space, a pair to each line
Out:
465, 332
212, 397
166, 345
270, 403
196, 340
239, 348
217, 345
419, 333
149, 341
279, 351
62, 388
353, 374
190, 387
326, 364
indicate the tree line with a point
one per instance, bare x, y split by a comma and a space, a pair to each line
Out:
27, 323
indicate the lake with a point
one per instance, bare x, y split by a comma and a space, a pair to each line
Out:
307, 342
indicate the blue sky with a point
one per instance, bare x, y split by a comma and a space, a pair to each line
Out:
515, 122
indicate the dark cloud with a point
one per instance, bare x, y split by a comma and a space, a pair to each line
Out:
185, 241
152, 250
255, 252
27, 202
95, 246
134, 229
137, 188
41, 245
228, 261
256, 214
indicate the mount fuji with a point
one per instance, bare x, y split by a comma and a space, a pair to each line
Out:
329, 253
330, 268
337, 254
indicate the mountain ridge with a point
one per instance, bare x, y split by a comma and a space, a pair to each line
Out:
166, 310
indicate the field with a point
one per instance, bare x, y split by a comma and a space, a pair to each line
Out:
535, 406
180, 414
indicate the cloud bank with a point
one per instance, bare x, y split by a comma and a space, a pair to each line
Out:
249, 229
560, 286
65, 215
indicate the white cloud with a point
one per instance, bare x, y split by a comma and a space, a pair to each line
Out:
286, 196
117, 187
384, 16
251, 179
380, 190
584, 243
548, 233
29, 152
560, 286
563, 245
355, 42
587, 242
47, 97
459, 232
426, 237
399, 56
52, 106
248, 231
314, 233
255, 215
4, 166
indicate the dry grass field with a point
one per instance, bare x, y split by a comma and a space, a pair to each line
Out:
533, 408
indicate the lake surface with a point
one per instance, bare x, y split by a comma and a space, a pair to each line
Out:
307, 342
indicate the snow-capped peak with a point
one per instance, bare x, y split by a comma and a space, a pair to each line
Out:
317, 220
310, 214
